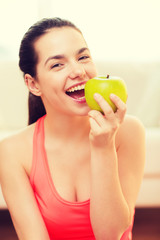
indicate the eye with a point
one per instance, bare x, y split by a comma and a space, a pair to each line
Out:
83, 57
57, 65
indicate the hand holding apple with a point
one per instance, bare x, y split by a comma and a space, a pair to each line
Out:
105, 86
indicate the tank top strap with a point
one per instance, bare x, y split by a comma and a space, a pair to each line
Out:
38, 139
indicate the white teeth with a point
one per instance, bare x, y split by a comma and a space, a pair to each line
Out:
79, 87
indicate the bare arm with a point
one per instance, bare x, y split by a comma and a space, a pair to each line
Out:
19, 195
116, 173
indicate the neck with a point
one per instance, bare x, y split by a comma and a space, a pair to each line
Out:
66, 127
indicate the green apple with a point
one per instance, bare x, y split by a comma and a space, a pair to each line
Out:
105, 86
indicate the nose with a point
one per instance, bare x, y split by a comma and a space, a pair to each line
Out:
77, 70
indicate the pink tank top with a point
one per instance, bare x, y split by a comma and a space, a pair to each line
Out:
64, 220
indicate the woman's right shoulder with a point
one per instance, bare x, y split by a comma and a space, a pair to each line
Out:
18, 139
17, 146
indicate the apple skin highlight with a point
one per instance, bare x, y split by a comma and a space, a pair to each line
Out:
105, 86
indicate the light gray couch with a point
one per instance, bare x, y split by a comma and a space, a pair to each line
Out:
143, 82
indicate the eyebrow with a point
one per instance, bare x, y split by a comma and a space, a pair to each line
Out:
61, 56
54, 57
82, 50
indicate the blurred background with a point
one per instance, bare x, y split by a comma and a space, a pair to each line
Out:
124, 39
114, 30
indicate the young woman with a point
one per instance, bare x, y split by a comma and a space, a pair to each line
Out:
73, 173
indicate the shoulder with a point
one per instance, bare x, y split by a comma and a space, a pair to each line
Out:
132, 125
131, 131
132, 122
17, 140
16, 149
131, 145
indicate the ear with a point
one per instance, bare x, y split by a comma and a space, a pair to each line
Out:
32, 85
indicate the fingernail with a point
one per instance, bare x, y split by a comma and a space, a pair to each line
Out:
97, 96
112, 95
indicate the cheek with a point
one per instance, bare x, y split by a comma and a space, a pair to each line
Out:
92, 71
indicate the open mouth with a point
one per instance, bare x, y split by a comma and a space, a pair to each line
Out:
76, 92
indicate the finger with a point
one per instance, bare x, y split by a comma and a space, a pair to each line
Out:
98, 117
121, 106
106, 108
94, 125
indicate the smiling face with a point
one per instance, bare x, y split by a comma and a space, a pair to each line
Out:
64, 66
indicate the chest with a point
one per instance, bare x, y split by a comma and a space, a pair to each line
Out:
69, 170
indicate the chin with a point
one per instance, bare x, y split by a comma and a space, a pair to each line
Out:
83, 112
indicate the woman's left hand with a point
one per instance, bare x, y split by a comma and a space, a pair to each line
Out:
104, 127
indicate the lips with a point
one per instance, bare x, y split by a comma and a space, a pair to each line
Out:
76, 92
